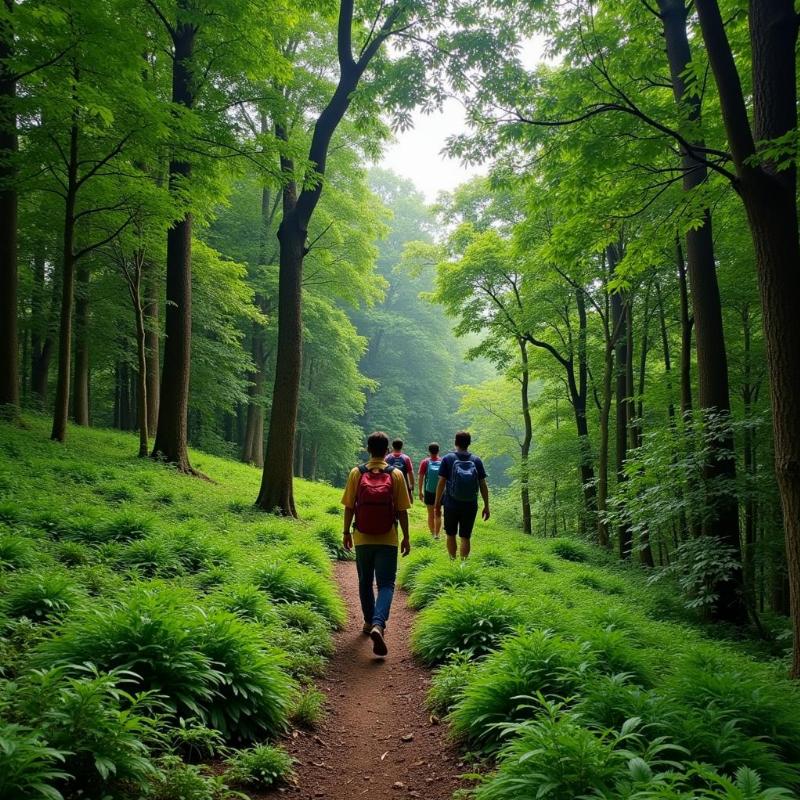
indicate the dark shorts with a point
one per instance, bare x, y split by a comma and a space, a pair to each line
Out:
460, 520
430, 498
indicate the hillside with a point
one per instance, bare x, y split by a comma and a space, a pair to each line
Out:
153, 622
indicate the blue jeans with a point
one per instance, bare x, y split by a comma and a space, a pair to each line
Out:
376, 563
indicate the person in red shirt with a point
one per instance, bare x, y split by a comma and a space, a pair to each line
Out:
428, 480
399, 460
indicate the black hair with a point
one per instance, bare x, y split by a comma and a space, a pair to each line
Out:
463, 440
397, 444
433, 448
378, 444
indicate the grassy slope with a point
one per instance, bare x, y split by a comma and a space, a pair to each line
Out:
104, 555
601, 646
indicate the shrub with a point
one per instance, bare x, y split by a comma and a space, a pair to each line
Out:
612, 653
40, 596
608, 700
254, 694
11, 512
436, 579
247, 602
329, 535
503, 685
569, 550
73, 554
296, 584
194, 553
178, 781
413, 565
28, 766
16, 552
448, 682
150, 558
464, 621
196, 742
262, 767
151, 631
125, 526
492, 558
308, 556
309, 708
544, 565
554, 758
103, 731
422, 541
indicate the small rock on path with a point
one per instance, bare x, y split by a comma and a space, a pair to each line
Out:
377, 739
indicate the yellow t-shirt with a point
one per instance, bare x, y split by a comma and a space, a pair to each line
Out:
402, 502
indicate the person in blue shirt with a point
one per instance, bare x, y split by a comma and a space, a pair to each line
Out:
462, 478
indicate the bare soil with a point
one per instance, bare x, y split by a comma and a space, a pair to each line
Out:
377, 739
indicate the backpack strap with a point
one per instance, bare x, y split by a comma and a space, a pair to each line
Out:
362, 468
389, 469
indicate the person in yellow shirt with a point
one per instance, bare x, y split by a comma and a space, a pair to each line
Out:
376, 498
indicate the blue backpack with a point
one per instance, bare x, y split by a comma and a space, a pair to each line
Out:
463, 483
432, 475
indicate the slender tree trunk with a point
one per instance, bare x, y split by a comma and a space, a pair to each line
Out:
9, 343
749, 461
712, 361
686, 333
173, 413
141, 374
80, 395
525, 447
666, 353
41, 335
277, 492
152, 343
61, 407
621, 320
312, 475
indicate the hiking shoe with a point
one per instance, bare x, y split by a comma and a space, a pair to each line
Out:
378, 644
366, 629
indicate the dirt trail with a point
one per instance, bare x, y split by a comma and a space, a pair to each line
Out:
377, 740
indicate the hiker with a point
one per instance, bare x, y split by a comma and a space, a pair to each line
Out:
461, 477
428, 481
376, 495
398, 459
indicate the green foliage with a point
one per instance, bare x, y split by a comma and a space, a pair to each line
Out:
449, 681
178, 781
261, 767
436, 579
464, 621
289, 583
29, 766
506, 683
16, 552
195, 742
309, 708
41, 596
569, 550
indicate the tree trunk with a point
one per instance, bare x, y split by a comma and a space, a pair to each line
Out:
712, 361
686, 333
41, 334
276, 483
173, 413
9, 343
525, 447
61, 407
620, 321
141, 374
80, 392
748, 391
666, 353
152, 343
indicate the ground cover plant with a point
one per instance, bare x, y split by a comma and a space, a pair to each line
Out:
582, 680
147, 633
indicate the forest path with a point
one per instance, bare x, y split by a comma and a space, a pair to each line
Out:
377, 739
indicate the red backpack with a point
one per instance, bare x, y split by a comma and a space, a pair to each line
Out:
375, 512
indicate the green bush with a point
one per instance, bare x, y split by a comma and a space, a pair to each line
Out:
261, 767
329, 535
28, 766
448, 683
103, 731
40, 596
612, 653
126, 526
309, 708
16, 552
412, 565
308, 556
436, 579
247, 602
569, 550
196, 742
73, 554
505, 684
464, 621
150, 557
178, 781
291, 583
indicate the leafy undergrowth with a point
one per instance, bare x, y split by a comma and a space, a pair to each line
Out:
151, 623
568, 676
